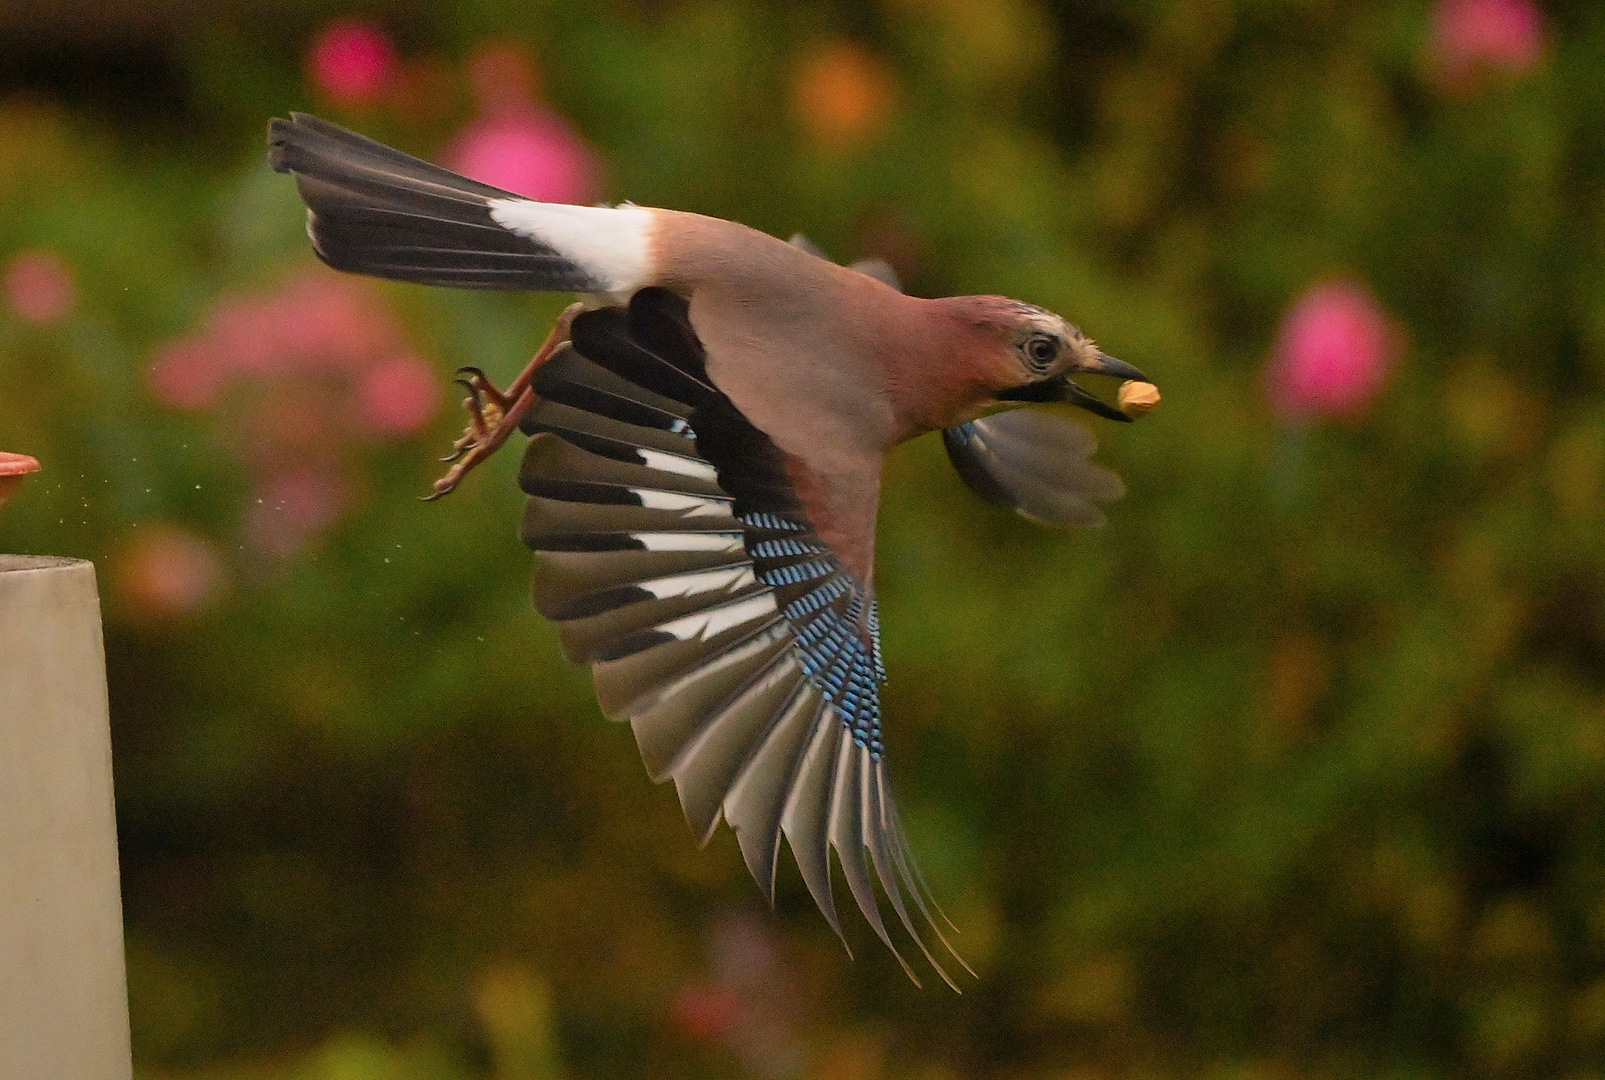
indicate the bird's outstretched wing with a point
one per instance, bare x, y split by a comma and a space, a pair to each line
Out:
678, 560
1037, 462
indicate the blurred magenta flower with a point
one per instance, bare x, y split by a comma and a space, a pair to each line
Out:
517, 144
1470, 35
1332, 353
38, 287
352, 62
167, 572
531, 153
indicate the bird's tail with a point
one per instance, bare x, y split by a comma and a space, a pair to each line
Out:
374, 210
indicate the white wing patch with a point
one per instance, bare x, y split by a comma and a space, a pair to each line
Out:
687, 541
612, 244
709, 624
674, 463
728, 579
691, 505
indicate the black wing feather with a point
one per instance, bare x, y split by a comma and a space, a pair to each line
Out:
678, 559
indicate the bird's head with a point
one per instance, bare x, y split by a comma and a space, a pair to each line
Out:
1033, 353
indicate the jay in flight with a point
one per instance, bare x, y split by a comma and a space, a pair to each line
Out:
706, 433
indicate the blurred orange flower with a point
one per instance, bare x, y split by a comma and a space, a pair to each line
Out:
168, 572
706, 1012
842, 94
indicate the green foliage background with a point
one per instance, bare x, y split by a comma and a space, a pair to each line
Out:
1296, 769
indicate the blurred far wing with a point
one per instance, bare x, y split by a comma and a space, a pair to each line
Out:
677, 559
1037, 462
879, 269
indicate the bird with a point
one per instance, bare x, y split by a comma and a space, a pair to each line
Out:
707, 425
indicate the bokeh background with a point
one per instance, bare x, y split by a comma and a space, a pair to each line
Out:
1296, 769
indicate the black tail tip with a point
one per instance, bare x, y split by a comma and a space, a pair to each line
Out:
288, 137
279, 134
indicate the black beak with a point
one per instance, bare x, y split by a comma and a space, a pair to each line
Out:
1077, 396
1108, 365
1060, 388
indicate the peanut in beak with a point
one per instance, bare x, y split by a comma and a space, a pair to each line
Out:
1137, 399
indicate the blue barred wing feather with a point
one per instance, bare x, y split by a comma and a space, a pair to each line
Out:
676, 558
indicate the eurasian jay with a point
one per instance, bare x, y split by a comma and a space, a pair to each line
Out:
707, 427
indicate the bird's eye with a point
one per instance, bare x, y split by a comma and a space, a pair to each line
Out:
1041, 351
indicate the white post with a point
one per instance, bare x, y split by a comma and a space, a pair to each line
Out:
63, 991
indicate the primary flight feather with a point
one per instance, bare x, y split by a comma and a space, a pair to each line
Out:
707, 428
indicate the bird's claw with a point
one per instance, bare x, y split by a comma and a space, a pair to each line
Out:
492, 416
492, 413
464, 443
446, 483
481, 387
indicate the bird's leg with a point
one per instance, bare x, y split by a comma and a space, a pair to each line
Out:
493, 414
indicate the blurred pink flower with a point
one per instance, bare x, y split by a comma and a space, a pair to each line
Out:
532, 153
186, 374
317, 322
323, 366
293, 505
352, 62
1467, 35
399, 396
517, 144
167, 572
38, 287
309, 498
1332, 353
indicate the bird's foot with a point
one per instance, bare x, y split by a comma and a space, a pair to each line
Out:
486, 407
493, 413
492, 417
